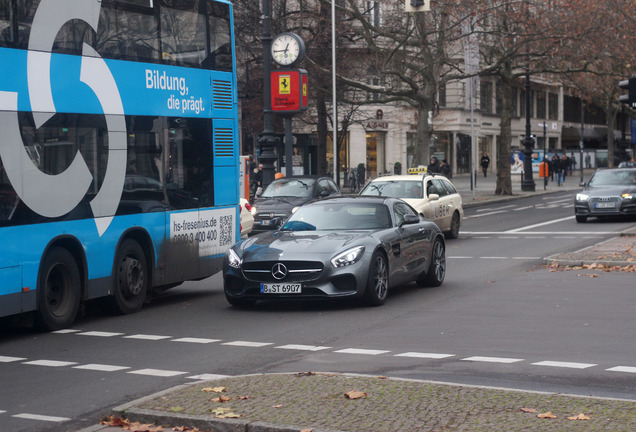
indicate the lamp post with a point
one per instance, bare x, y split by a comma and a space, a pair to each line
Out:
527, 184
268, 141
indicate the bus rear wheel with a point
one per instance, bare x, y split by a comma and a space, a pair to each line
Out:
58, 290
131, 278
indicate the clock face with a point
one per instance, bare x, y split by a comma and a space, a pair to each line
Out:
287, 48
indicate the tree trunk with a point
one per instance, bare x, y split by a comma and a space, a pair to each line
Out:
504, 182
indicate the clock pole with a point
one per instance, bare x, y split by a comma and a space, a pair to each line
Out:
267, 141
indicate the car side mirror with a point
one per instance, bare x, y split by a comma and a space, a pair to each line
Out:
433, 197
410, 219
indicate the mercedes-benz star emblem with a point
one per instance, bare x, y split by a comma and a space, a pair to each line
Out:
279, 271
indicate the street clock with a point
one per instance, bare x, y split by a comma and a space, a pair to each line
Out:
287, 48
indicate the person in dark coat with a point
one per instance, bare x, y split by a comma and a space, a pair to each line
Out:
557, 167
433, 167
485, 162
445, 169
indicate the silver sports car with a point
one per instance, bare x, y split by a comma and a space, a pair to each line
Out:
334, 248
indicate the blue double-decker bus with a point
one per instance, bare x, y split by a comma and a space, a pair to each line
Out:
118, 151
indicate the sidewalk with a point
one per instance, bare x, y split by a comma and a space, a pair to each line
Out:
317, 402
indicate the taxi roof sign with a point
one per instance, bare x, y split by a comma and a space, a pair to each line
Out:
417, 170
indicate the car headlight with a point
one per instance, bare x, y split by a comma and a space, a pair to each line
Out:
253, 211
348, 257
627, 196
582, 197
233, 259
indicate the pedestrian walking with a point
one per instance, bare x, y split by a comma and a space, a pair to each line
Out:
557, 166
485, 162
566, 167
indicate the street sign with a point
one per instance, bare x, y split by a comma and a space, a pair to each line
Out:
289, 91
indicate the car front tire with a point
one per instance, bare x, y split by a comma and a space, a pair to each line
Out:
437, 270
581, 219
378, 282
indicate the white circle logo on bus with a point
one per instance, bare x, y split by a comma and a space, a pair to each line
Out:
56, 195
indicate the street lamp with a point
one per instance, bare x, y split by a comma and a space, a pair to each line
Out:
268, 141
527, 183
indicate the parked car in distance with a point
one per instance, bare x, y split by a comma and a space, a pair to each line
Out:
272, 208
247, 220
432, 195
610, 192
627, 164
348, 246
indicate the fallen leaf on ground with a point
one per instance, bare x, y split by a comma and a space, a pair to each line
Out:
529, 410
114, 421
228, 415
219, 411
306, 430
579, 417
139, 427
214, 389
276, 406
547, 415
177, 409
355, 395
304, 374
221, 399
242, 397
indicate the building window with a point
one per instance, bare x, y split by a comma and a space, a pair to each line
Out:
541, 105
486, 97
374, 12
553, 106
441, 97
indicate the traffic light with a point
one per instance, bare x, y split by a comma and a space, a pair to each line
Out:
630, 86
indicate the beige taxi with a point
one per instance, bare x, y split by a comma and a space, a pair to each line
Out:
432, 195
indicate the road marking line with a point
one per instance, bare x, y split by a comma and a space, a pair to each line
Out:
424, 355
361, 351
208, 377
524, 208
41, 417
49, 363
147, 337
156, 372
526, 258
65, 331
570, 365
485, 214
461, 257
101, 367
509, 237
492, 359
5, 359
540, 224
196, 340
2, 412
628, 369
535, 234
100, 334
248, 344
303, 347
493, 257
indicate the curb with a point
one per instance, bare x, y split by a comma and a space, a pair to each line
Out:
584, 257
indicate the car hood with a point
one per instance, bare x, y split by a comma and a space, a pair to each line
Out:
290, 244
609, 190
278, 204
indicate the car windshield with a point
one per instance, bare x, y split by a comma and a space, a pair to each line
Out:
614, 178
394, 188
301, 188
339, 216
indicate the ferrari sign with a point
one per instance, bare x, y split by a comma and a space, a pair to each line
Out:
289, 91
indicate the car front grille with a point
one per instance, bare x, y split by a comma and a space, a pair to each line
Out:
604, 204
297, 271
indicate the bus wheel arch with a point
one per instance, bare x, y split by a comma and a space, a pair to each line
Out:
132, 274
59, 288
